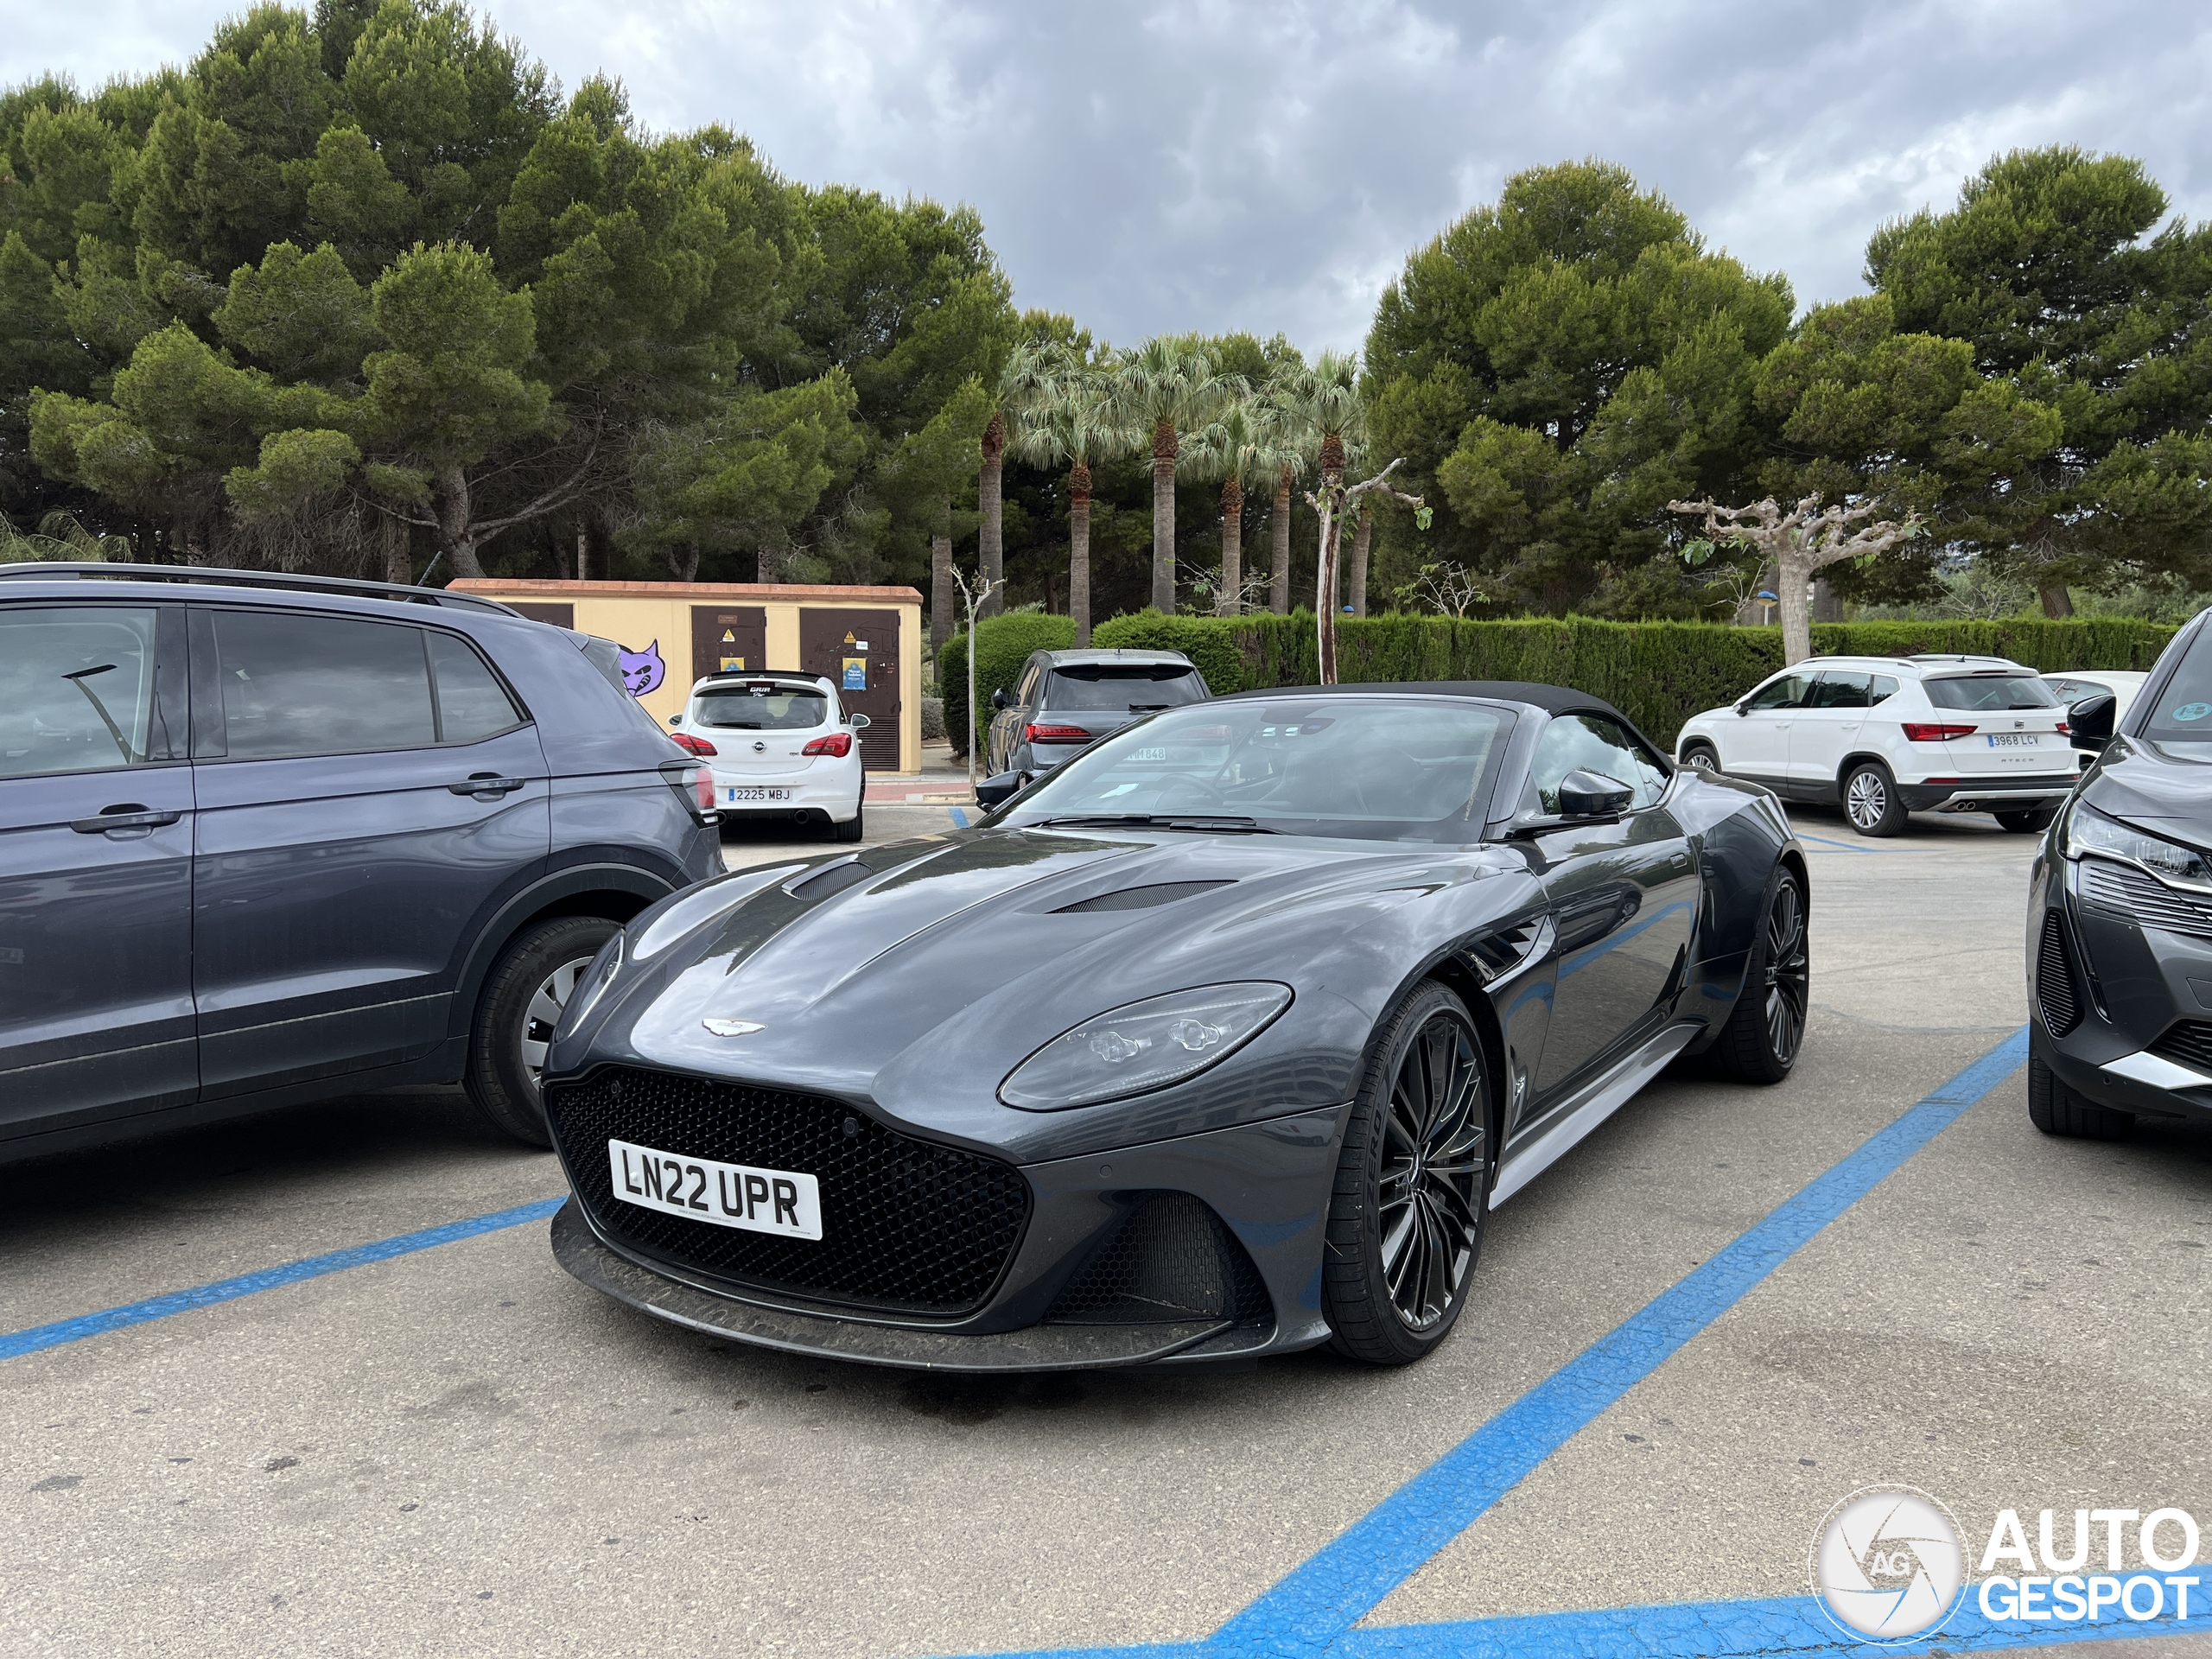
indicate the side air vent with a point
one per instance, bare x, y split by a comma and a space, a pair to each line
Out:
2055, 992
830, 879
1172, 1259
1163, 892
2187, 1042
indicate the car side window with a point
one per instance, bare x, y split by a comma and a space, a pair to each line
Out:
76, 688
1592, 743
472, 704
1881, 690
1841, 688
1032, 684
1788, 692
295, 684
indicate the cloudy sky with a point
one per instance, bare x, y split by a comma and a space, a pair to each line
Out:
1211, 164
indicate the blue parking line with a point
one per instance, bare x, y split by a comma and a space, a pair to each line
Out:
959, 816
1334, 1589
38, 1337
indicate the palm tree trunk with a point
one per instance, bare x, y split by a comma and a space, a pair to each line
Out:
1360, 542
768, 570
1164, 446
1324, 586
1229, 600
941, 598
991, 541
1278, 593
1079, 551
583, 549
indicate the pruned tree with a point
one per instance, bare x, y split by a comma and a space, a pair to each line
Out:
1333, 502
1449, 589
1067, 417
1799, 540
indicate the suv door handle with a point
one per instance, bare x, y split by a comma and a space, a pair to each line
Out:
488, 783
128, 816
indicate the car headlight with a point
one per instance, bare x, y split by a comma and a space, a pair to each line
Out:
1144, 1046
2087, 831
591, 986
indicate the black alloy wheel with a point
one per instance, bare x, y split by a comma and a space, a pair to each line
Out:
1760, 1042
1870, 800
522, 1000
1413, 1186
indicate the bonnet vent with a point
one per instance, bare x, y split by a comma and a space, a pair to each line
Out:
1163, 892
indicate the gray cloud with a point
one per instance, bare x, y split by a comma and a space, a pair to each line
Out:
1217, 165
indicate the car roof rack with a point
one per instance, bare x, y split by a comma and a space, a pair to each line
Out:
215, 577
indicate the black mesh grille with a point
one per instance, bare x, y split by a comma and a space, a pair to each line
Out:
2062, 1010
1172, 1259
2187, 1042
2142, 900
908, 1226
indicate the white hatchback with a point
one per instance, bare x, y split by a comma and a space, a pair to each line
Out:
1890, 735
777, 745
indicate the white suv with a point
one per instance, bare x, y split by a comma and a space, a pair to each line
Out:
1889, 736
777, 745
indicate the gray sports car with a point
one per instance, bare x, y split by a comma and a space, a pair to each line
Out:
1221, 1040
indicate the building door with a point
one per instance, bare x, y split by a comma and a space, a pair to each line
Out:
859, 651
728, 639
561, 616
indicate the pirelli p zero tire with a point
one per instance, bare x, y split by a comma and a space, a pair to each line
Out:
521, 1002
2055, 1110
1413, 1186
1766, 1028
1870, 800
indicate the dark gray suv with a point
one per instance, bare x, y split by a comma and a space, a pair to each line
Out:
265, 840
1064, 699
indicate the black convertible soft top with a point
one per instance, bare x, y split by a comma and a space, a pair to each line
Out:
1552, 699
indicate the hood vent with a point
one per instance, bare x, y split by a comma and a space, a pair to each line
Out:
1163, 892
831, 879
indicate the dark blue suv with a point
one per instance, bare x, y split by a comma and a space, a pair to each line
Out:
268, 839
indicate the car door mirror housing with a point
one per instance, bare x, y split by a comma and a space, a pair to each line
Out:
2090, 722
995, 792
675, 720
858, 722
998, 698
1592, 795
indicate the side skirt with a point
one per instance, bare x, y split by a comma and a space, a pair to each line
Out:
1601, 1098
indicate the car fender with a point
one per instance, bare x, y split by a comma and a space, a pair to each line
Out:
625, 881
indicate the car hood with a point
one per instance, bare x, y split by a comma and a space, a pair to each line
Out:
2133, 780
918, 975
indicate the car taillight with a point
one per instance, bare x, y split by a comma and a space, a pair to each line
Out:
693, 786
1922, 732
1055, 734
839, 744
694, 744
2064, 727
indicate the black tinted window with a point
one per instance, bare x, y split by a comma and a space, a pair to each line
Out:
1985, 692
763, 707
76, 688
295, 684
1787, 692
1883, 688
471, 703
1165, 686
1839, 687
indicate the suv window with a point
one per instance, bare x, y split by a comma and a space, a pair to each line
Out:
1788, 692
1123, 686
1986, 692
1884, 688
471, 703
76, 688
298, 685
1592, 743
1841, 688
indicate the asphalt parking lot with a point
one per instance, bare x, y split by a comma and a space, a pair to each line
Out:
459, 1450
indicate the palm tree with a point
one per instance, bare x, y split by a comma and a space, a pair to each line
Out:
1239, 446
1066, 419
1169, 386
1323, 400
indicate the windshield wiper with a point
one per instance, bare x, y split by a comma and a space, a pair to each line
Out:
1228, 820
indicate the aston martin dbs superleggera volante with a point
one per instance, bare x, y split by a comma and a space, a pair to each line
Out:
1221, 1040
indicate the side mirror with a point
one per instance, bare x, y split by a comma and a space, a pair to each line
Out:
1591, 795
998, 698
995, 792
1744, 708
2090, 722
858, 722
675, 720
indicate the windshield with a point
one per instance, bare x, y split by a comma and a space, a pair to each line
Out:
1982, 693
1160, 685
2180, 722
1371, 768
762, 707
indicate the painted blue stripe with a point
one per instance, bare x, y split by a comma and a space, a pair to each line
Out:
959, 817
15, 1344
1334, 1589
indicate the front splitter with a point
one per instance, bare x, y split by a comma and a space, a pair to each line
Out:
1039, 1348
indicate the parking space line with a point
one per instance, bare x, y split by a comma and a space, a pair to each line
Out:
15, 1344
959, 816
1334, 1589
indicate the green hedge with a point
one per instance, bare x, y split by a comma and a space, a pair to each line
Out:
1658, 673
1006, 643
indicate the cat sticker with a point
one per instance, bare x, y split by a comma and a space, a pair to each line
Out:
642, 671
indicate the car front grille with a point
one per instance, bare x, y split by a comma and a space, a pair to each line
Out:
907, 1225
2187, 1042
1172, 1258
2055, 995
2145, 901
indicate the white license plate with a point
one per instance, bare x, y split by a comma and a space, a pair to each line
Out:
2013, 739
778, 1201
737, 795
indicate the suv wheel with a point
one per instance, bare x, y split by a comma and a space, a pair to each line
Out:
523, 998
2055, 1110
1870, 800
1701, 757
